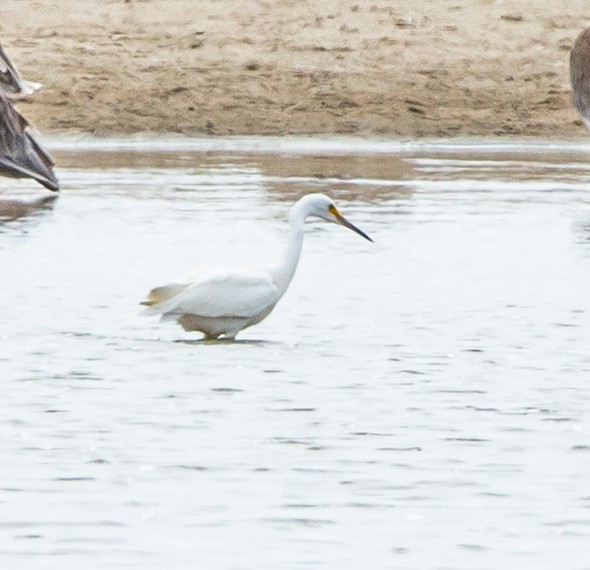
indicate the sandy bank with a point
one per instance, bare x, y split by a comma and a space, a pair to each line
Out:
411, 68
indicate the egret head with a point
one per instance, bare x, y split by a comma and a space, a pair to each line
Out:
323, 207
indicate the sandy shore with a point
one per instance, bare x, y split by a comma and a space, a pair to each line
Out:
410, 68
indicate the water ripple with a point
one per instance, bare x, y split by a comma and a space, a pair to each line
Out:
420, 404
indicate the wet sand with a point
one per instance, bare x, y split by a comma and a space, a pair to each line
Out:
418, 68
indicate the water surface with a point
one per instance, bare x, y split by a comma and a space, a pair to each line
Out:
420, 402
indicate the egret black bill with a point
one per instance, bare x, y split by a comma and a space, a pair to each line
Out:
344, 222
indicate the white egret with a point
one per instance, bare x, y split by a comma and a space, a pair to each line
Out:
222, 302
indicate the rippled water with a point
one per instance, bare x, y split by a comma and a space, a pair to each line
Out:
422, 402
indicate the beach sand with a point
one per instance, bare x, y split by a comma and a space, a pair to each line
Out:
410, 68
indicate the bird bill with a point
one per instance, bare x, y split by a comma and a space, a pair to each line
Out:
344, 222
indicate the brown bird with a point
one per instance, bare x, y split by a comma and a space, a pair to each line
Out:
21, 156
580, 74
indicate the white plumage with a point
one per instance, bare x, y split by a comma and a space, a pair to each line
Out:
222, 302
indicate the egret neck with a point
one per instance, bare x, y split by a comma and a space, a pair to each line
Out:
283, 272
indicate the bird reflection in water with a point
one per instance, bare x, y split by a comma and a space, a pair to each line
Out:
12, 209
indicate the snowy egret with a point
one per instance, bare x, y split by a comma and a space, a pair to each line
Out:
580, 74
21, 156
222, 302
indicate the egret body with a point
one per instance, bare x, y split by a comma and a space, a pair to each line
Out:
222, 302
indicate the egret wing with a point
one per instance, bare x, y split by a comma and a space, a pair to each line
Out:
164, 293
221, 294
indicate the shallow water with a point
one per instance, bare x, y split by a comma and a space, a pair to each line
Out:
420, 402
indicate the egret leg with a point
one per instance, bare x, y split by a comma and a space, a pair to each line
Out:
207, 336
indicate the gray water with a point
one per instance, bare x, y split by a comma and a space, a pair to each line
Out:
417, 403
